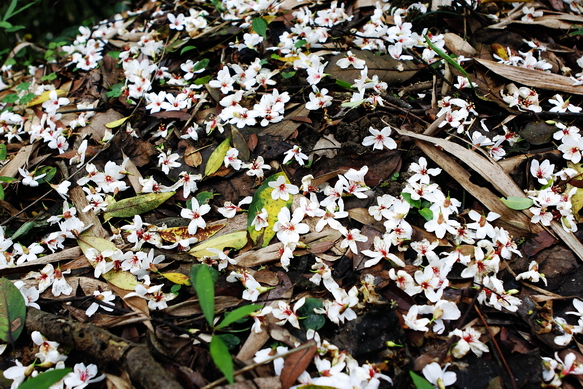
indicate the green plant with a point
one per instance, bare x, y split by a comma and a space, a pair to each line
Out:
203, 279
10, 12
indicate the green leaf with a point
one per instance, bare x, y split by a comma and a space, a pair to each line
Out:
26, 98
420, 382
114, 54
194, 269
426, 213
300, 43
50, 172
344, 84
12, 311
260, 26
203, 197
205, 290
22, 86
517, 203
200, 65
2, 194
202, 80
187, 48
217, 158
262, 199
136, 205
230, 340
15, 28
8, 179
5, 24
312, 320
413, 203
353, 104
49, 77
3, 152
449, 60
287, 75
10, 99
222, 358
116, 90
45, 380
237, 314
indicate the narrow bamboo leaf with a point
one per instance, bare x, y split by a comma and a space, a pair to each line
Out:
517, 203
237, 314
44, 97
205, 290
262, 199
222, 358
177, 278
449, 60
12, 311
295, 364
420, 382
136, 205
344, 84
217, 157
260, 26
117, 123
122, 279
45, 380
236, 240
3, 153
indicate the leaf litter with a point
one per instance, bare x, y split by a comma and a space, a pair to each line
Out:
400, 203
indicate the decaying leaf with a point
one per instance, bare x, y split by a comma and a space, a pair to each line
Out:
533, 78
262, 200
216, 159
176, 234
235, 240
296, 363
177, 278
44, 97
136, 205
121, 279
577, 198
12, 311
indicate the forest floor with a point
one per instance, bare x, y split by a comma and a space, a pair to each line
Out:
262, 194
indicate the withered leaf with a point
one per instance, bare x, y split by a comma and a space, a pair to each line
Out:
175, 234
136, 205
296, 363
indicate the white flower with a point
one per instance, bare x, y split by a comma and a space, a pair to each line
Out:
438, 377
256, 168
413, 323
260, 220
105, 296
167, 160
351, 237
380, 139
29, 178
286, 314
351, 59
421, 172
289, 227
561, 105
82, 375
195, 213
532, 274
229, 210
281, 189
295, 152
542, 171
232, 160
469, 339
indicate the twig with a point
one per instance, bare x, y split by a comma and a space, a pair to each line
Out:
497, 347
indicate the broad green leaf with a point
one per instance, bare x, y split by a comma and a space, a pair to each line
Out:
262, 199
136, 205
413, 203
122, 279
420, 382
235, 240
45, 380
11, 98
426, 213
230, 340
287, 75
44, 97
217, 158
4, 24
260, 26
12, 311
204, 197
222, 357
205, 290
187, 48
202, 64
312, 320
237, 314
114, 54
344, 84
202, 80
177, 278
517, 203
117, 123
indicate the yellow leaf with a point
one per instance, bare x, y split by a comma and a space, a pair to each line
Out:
216, 159
136, 205
117, 123
121, 279
177, 278
262, 199
44, 97
288, 59
175, 234
577, 198
236, 240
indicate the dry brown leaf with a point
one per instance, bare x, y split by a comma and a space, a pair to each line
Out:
96, 128
134, 174
533, 78
457, 45
20, 160
296, 363
78, 198
115, 382
327, 147
286, 127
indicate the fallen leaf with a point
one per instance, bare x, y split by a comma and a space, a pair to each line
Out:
44, 97
175, 234
296, 363
12, 311
217, 158
136, 205
235, 240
